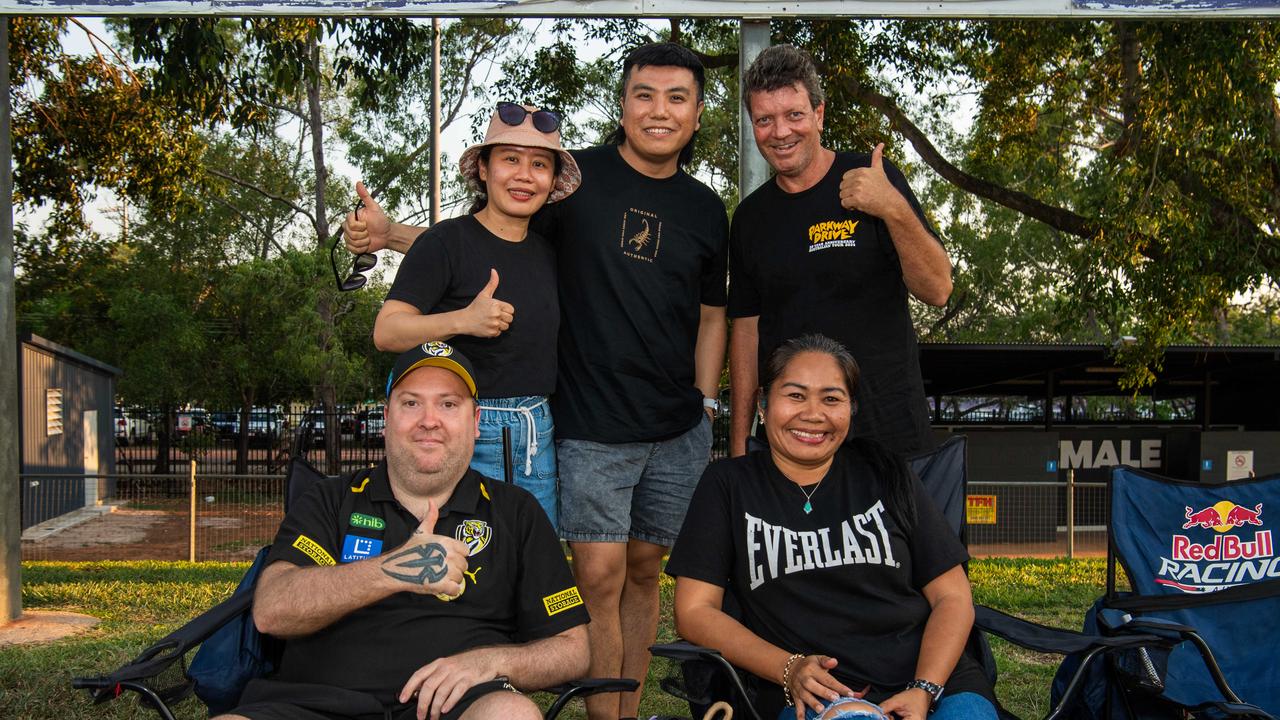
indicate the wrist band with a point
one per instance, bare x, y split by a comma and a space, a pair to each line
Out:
786, 676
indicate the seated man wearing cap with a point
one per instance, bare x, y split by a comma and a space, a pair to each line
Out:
419, 587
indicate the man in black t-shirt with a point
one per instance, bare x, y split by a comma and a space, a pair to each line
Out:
641, 255
832, 244
419, 586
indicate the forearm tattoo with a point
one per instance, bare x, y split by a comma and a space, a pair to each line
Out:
428, 560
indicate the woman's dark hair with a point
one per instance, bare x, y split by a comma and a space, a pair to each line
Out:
892, 476
665, 54
481, 198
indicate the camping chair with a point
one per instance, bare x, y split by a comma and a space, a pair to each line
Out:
231, 651
1202, 566
704, 676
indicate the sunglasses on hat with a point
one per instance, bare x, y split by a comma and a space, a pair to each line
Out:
543, 120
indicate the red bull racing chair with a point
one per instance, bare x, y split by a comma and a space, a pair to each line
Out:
229, 651
1203, 573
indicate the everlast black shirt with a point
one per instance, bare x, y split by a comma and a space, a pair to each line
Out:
518, 584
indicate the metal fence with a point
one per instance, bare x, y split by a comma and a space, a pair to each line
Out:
219, 495
1037, 519
209, 516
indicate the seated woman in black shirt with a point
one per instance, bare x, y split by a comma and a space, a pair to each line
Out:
849, 578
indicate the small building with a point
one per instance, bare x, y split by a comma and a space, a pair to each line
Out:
1041, 415
66, 429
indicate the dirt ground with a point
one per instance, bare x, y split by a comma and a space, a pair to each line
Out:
223, 532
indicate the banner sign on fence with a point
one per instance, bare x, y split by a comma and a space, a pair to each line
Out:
980, 509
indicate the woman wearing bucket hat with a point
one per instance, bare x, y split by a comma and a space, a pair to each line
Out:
487, 284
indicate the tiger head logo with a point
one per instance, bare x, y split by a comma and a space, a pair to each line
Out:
475, 534
436, 348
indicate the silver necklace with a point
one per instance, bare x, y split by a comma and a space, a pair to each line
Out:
808, 506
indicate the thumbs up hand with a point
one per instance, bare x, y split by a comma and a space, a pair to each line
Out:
427, 563
487, 316
868, 189
365, 229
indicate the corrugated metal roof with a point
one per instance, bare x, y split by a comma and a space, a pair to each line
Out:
68, 353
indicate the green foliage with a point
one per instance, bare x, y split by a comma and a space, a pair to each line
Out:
84, 123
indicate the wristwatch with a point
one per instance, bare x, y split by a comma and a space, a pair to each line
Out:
934, 690
713, 405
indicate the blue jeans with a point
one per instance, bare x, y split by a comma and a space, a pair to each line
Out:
611, 492
962, 706
533, 452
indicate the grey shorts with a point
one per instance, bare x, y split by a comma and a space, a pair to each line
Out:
612, 492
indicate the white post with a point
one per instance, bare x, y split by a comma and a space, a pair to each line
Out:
753, 171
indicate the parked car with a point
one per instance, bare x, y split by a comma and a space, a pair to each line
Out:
375, 425
120, 426
264, 425
313, 422
226, 424
140, 424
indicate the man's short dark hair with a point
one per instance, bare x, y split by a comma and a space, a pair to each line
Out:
782, 66
667, 54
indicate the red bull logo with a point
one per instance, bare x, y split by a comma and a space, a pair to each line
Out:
1223, 515
1227, 558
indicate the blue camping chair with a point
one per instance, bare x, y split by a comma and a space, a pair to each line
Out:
704, 677
229, 651
1202, 566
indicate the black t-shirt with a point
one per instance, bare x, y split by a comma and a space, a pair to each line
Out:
518, 585
843, 581
804, 264
637, 256
449, 265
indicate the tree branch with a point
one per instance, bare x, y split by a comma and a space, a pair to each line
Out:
264, 231
712, 62
1131, 136
261, 191
1060, 218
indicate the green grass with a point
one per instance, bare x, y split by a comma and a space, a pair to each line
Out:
139, 602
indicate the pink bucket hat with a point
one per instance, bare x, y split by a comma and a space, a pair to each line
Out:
523, 135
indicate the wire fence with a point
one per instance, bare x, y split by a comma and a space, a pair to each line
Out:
210, 516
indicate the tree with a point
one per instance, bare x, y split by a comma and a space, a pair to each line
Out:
83, 124
251, 72
1150, 149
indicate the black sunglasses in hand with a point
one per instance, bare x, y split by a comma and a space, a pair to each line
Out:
364, 263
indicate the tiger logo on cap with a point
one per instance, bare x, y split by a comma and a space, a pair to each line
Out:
435, 348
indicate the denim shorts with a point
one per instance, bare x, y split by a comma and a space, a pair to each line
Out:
612, 492
533, 453
961, 706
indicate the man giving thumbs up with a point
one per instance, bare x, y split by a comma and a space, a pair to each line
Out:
833, 244
419, 588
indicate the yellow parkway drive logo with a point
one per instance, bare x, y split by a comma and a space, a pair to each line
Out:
475, 534
832, 234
